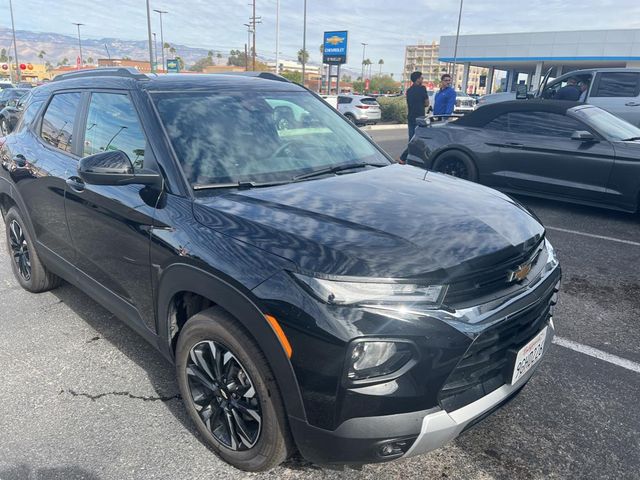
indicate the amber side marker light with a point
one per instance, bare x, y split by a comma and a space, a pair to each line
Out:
280, 334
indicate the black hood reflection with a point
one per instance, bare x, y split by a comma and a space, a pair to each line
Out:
383, 222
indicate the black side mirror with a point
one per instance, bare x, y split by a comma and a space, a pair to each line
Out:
583, 136
114, 168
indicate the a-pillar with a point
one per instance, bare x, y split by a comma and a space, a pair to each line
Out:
465, 76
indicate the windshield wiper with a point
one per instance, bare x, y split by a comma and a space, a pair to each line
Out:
334, 169
217, 186
630, 139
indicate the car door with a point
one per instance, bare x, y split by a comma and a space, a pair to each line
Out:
619, 93
537, 154
41, 157
110, 225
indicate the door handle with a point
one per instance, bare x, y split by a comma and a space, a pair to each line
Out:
632, 104
514, 145
76, 184
19, 161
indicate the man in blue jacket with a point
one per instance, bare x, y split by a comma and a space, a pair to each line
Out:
445, 100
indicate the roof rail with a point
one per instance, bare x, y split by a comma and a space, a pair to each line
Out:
103, 72
265, 75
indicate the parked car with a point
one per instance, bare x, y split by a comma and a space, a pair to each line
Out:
548, 148
11, 94
360, 109
5, 85
490, 98
312, 294
10, 115
464, 103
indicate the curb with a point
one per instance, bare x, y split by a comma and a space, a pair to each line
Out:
385, 127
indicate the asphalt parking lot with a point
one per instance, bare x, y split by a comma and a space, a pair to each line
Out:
84, 397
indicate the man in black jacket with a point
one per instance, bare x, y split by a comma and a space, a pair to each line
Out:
570, 91
417, 101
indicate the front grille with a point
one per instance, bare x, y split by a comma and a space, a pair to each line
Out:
496, 279
488, 362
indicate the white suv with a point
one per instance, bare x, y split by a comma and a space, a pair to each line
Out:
360, 109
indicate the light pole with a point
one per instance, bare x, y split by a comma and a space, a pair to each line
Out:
155, 48
277, 37
161, 35
364, 47
455, 48
304, 41
250, 30
15, 46
149, 37
79, 41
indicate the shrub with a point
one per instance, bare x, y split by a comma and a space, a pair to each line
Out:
394, 109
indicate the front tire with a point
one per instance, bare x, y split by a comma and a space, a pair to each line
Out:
230, 393
27, 267
456, 164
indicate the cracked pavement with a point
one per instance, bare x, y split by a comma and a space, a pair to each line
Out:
84, 397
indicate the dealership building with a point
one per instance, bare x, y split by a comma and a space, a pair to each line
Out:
525, 57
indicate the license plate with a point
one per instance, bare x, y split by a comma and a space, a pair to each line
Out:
529, 355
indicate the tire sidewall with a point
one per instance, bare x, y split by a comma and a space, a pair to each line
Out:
12, 215
221, 330
464, 158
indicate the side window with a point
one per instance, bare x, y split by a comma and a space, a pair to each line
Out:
342, 100
501, 122
58, 120
28, 114
543, 123
112, 124
617, 84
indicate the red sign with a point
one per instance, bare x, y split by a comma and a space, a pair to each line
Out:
5, 66
23, 66
78, 62
367, 84
29, 66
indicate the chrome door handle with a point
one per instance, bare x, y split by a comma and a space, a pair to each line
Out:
514, 145
76, 184
632, 104
19, 161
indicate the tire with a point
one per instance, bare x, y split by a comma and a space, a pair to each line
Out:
351, 118
266, 441
27, 267
457, 164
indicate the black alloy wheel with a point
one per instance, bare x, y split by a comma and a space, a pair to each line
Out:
455, 167
457, 164
20, 250
224, 395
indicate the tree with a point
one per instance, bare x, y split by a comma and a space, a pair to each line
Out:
380, 62
64, 61
346, 78
41, 54
303, 56
3, 55
237, 58
201, 64
219, 57
172, 50
210, 54
295, 77
180, 62
90, 60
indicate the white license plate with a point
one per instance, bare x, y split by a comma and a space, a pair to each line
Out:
528, 356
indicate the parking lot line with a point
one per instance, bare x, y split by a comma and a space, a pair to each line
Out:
601, 237
599, 354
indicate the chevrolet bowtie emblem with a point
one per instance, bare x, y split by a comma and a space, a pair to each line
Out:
335, 40
520, 273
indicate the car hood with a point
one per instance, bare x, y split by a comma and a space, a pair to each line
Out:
395, 221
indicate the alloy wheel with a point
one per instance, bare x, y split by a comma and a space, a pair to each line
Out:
224, 395
20, 250
454, 167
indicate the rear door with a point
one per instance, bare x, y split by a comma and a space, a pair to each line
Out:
619, 93
110, 225
537, 154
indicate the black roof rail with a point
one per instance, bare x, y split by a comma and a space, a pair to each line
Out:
265, 75
103, 72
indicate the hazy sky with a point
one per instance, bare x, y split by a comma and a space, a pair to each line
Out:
387, 26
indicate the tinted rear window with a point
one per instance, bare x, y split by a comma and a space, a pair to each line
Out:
617, 84
368, 101
57, 124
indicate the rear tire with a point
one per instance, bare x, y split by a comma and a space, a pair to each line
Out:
27, 267
244, 423
457, 164
351, 118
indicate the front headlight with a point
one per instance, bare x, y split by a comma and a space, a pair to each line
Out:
349, 292
552, 259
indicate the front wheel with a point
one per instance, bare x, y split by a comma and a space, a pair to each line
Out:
230, 393
456, 164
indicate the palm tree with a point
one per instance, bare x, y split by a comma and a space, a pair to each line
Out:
219, 57
210, 54
303, 56
41, 54
380, 62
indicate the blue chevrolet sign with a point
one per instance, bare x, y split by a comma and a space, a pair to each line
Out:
335, 47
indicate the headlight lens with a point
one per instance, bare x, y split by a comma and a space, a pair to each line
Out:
552, 259
374, 359
348, 292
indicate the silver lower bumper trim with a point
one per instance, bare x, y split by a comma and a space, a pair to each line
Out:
441, 427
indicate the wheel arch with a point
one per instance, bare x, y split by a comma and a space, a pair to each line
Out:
179, 279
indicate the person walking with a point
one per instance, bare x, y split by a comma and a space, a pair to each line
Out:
570, 91
445, 100
417, 101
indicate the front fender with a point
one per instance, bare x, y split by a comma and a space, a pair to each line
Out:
183, 277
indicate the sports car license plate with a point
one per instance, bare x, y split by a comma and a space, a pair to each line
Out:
528, 356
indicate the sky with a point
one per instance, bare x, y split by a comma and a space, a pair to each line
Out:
386, 26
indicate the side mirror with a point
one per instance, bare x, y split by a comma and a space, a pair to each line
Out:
114, 168
583, 136
423, 122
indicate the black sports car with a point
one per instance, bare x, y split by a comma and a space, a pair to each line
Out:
548, 148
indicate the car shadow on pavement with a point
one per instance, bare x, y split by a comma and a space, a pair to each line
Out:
160, 372
23, 472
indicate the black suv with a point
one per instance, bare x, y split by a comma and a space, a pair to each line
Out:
312, 294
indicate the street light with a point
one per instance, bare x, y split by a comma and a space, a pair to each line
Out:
455, 48
161, 34
364, 47
277, 37
79, 41
149, 37
15, 46
155, 48
304, 41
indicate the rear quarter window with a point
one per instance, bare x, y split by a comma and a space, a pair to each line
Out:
368, 101
617, 84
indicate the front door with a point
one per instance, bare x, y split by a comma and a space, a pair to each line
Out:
110, 225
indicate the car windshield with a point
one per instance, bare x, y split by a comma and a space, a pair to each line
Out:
612, 127
231, 137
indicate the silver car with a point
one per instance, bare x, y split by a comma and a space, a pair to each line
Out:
360, 109
464, 103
